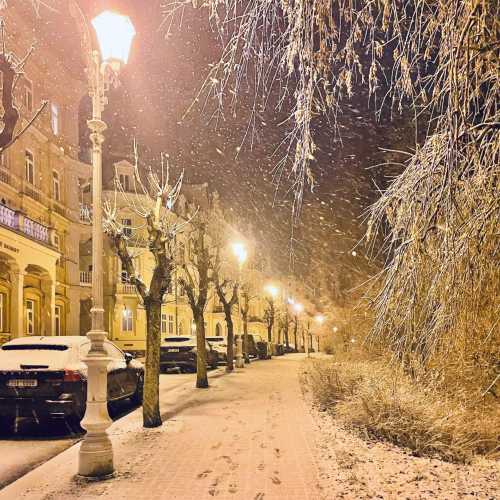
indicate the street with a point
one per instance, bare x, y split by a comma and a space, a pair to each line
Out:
34, 444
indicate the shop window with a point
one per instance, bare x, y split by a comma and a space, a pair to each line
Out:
29, 167
127, 320
164, 323
56, 186
30, 317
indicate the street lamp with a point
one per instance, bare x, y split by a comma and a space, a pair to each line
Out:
114, 35
241, 254
272, 290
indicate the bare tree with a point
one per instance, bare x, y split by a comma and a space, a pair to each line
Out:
246, 298
152, 200
269, 317
225, 288
12, 70
195, 279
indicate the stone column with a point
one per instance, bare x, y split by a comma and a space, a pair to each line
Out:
17, 305
48, 316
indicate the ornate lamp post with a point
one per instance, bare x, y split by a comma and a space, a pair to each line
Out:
241, 254
114, 34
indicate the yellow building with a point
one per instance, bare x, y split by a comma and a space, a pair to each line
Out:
39, 177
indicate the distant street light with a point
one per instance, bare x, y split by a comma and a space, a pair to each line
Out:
272, 290
114, 34
319, 318
241, 254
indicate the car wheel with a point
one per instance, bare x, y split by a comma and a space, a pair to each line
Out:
138, 395
73, 423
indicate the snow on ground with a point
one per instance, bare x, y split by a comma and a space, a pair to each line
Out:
355, 468
253, 435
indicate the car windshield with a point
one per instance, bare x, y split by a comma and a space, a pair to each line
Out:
215, 339
177, 339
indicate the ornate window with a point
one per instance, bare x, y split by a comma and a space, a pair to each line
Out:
127, 320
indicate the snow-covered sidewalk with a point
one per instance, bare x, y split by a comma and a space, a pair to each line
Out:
253, 436
247, 437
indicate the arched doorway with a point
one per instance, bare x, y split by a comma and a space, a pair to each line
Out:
218, 330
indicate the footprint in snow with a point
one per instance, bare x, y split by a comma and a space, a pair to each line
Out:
204, 474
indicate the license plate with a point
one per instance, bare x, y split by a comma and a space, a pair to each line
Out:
27, 382
173, 349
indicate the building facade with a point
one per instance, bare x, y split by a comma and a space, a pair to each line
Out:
39, 178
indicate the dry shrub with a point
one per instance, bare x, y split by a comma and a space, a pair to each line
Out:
383, 401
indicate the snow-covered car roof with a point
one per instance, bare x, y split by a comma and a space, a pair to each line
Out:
69, 340
181, 339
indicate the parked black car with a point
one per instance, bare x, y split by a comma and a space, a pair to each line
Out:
180, 351
278, 349
251, 346
257, 347
46, 377
263, 347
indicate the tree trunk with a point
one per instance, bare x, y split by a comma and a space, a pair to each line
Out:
270, 333
230, 341
151, 400
201, 352
295, 336
245, 337
287, 340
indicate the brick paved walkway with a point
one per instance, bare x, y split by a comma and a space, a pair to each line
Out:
247, 437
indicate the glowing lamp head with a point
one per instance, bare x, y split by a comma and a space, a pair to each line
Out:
240, 252
298, 308
114, 34
319, 318
272, 290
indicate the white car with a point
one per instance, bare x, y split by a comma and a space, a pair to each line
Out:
219, 345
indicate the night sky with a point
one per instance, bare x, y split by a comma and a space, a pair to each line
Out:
163, 77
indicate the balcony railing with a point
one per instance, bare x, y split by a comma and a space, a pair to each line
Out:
85, 278
126, 289
9, 217
19, 222
33, 192
5, 176
59, 208
34, 229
